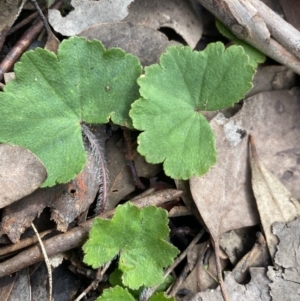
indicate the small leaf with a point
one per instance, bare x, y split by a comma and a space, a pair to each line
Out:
116, 293
21, 172
175, 92
256, 290
43, 109
255, 56
115, 279
160, 297
274, 202
95, 12
139, 237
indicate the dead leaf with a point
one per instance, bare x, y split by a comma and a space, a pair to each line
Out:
188, 199
175, 14
65, 283
224, 195
291, 10
21, 172
286, 281
144, 42
258, 256
177, 211
21, 287
67, 202
9, 76
76, 236
256, 290
121, 182
52, 43
236, 244
268, 78
274, 123
6, 285
203, 275
8, 14
88, 13
38, 280
77, 195
274, 202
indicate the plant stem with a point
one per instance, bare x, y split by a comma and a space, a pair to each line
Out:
98, 152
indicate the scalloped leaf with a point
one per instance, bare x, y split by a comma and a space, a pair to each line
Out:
160, 297
115, 279
139, 237
116, 293
255, 56
173, 95
42, 110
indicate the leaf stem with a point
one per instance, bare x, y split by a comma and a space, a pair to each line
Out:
98, 152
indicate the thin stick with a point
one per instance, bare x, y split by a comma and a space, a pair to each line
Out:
254, 23
42, 17
219, 270
23, 43
46, 260
23, 23
7, 250
3, 35
76, 236
94, 284
172, 290
52, 43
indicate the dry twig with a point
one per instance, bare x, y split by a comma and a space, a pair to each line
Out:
255, 23
46, 260
23, 44
76, 236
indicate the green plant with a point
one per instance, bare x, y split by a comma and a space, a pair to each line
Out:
44, 109
118, 293
175, 92
139, 238
255, 56
55, 97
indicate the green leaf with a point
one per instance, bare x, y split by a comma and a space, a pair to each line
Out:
160, 297
255, 56
175, 92
42, 110
115, 278
116, 294
139, 237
